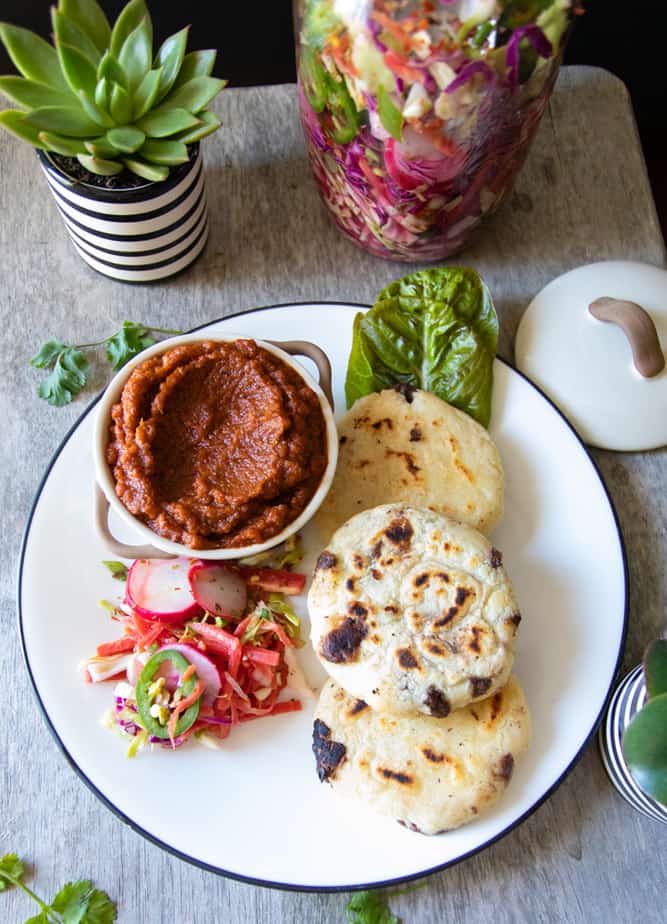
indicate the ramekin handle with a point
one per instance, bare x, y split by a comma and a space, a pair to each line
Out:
114, 545
317, 355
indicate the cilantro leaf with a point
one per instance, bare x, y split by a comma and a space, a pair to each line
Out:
130, 340
10, 868
80, 903
370, 908
101, 910
67, 378
68, 364
48, 354
76, 903
117, 569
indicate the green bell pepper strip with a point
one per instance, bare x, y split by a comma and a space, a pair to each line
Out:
482, 32
341, 119
313, 79
144, 701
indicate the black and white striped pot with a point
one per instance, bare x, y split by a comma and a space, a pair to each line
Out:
628, 698
139, 234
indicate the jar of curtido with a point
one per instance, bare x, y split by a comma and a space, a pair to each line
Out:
418, 114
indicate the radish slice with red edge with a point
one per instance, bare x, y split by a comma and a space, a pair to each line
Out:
221, 591
158, 588
206, 670
136, 665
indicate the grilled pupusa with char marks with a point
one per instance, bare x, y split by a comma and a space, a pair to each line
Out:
432, 775
404, 445
413, 612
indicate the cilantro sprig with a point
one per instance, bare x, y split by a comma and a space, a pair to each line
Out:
76, 903
68, 366
372, 906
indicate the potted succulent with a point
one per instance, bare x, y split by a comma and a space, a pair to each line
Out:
634, 736
117, 129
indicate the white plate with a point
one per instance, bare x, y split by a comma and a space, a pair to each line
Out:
561, 545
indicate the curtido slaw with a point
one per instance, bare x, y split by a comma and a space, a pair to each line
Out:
205, 646
418, 114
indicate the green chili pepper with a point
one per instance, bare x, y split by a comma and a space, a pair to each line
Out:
313, 78
517, 13
341, 119
482, 32
148, 677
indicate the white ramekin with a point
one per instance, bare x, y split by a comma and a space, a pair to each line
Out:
156, 546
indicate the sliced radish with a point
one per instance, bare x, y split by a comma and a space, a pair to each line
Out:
136, 665
158, 588
280, 582
206, 670
218, 589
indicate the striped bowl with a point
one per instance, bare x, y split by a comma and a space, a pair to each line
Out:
135, 235
628, 698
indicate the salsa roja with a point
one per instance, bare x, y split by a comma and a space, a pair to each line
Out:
216, 444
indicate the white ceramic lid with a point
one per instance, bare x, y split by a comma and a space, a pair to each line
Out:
586, 366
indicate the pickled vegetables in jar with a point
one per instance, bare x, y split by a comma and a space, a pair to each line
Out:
418, 114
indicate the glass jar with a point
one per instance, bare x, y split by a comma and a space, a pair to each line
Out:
418, 114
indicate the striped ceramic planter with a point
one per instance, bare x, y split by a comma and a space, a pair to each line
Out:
628, 698
135, 235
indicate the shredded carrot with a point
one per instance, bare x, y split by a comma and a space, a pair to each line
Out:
262, 655
118, 646
395, 29
180, 707
242, 626
148, 632
222, 703
344, 63
235, 686
290, 705
280, 632
401, 69
235, 661
187, 673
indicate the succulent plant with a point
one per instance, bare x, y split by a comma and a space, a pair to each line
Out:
645, 738
99, 94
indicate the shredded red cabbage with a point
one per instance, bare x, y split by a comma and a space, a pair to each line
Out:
468, 70
537, 39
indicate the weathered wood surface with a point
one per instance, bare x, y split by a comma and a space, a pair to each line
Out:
584, 856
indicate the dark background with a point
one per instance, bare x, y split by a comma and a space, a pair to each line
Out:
255, 45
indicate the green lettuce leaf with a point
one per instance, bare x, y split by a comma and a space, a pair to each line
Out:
435, 329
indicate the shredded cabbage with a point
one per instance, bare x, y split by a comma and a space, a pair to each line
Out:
440, 109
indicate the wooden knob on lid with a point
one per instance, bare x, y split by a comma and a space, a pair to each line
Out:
638, 327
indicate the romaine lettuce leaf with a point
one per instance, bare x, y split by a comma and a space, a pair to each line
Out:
435, 329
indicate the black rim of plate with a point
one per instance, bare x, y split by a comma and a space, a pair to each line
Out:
296, 887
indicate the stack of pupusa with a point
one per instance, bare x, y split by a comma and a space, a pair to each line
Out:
414, 618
